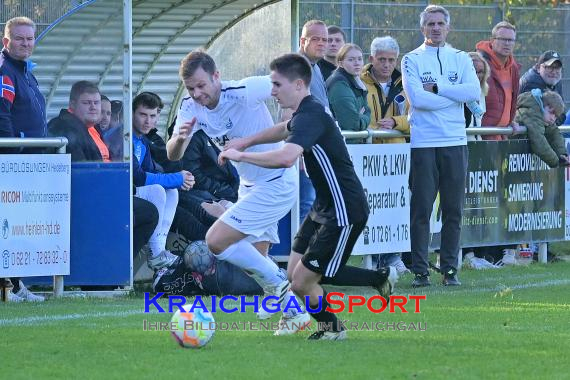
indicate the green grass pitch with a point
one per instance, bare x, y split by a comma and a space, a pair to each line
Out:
511, 323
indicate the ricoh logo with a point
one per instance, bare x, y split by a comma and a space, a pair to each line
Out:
10, 197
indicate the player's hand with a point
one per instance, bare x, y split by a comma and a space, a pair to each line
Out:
188, 181
386, 123
186, 129
237, 144
230, 154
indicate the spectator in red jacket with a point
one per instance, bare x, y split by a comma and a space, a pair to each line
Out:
501, 100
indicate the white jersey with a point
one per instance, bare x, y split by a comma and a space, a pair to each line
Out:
241, 112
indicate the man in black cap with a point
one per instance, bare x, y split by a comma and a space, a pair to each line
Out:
545, 75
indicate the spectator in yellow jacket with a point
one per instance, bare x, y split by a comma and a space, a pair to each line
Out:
386, 97
388, 105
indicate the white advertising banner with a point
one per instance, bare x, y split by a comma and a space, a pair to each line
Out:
383, 170
35, 196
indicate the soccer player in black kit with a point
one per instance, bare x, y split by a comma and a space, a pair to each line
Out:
327, 236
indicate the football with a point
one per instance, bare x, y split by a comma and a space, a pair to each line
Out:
192, 329
198, 258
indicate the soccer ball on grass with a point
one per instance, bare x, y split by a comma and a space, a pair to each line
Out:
193, 329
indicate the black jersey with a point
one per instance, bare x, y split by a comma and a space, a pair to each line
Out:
340, 197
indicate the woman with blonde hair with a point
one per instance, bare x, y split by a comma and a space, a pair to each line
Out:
474, 111
347, 93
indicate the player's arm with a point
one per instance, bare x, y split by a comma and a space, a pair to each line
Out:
178, 142
417, 95
274, 134
468, 89
285, 157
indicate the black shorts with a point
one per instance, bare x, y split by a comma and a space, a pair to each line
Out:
326, 248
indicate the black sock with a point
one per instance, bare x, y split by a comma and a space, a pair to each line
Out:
327, 319
352, 276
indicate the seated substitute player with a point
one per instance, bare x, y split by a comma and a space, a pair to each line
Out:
226, 110
328, 234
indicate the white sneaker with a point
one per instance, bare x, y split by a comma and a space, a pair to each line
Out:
291, 324
162, 260
509, 258
400, 266
468, 260
14, 298
328, 335
26, 295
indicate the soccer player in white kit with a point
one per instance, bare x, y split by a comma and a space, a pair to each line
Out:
236, 109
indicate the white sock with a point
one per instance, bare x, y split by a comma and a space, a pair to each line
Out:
244, 255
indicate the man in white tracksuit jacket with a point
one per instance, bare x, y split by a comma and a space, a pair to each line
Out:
438, 80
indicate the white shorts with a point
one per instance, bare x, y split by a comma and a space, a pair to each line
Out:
262, 205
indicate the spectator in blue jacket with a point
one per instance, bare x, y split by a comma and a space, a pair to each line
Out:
153, 185
22, 106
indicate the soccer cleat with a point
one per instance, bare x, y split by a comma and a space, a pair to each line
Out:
328, 335
26, 295
163, 260
293, 324
388, 277
262, 313
280, 290
421, 281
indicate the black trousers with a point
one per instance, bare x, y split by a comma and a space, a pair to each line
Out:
145, 219
432, 170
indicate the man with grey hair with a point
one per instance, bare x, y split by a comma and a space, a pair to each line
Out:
387, 101
438, 79
386, 96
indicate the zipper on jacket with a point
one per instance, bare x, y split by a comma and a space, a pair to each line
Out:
375, 108
440, 68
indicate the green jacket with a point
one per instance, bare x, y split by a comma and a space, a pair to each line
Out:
346, 99
545, 139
